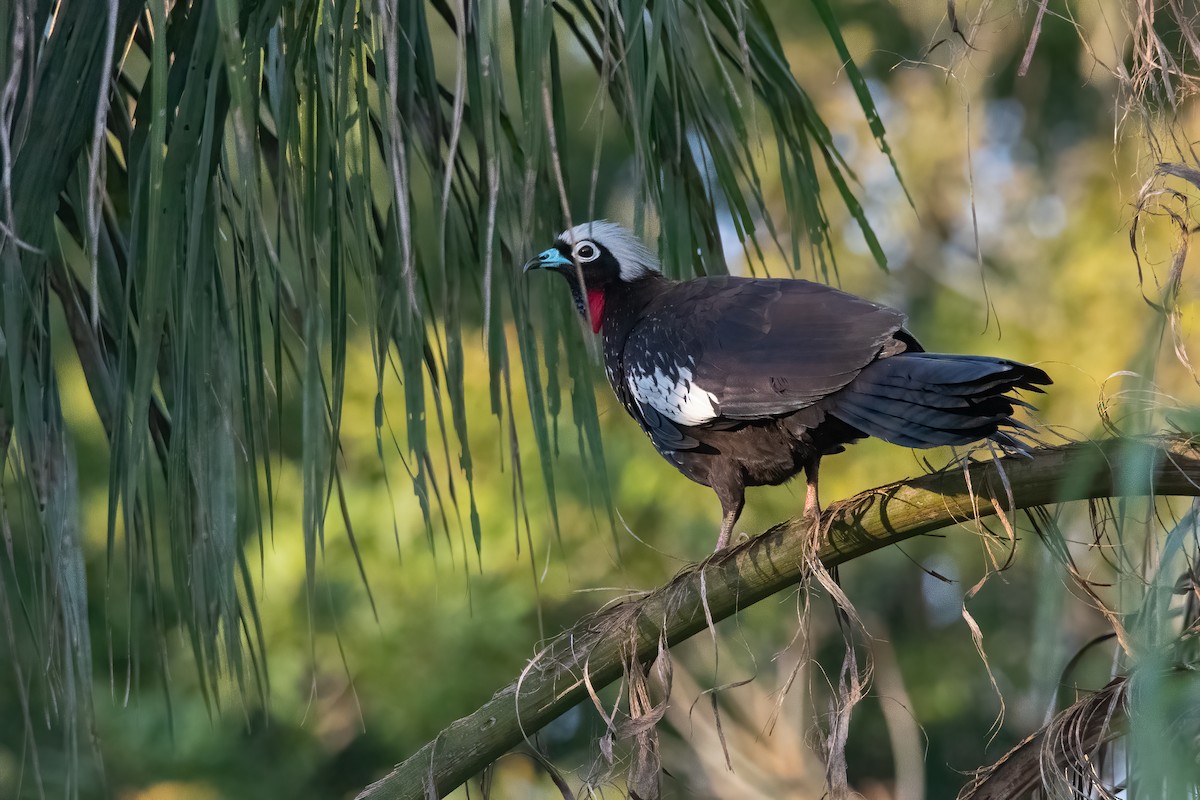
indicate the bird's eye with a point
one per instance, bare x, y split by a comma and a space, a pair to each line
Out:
586, 251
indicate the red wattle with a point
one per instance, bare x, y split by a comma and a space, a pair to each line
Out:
596, 308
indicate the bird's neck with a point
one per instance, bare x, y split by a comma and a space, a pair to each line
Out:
617, 307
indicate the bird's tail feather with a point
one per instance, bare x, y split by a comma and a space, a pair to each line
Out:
930, 399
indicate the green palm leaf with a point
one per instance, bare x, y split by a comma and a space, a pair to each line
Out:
281, 180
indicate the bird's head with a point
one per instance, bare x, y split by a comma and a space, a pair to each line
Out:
594, 258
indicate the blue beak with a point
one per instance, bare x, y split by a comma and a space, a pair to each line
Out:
548, 259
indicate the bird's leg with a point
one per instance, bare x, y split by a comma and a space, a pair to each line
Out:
726, 530
731, 504
812, 503
816, 536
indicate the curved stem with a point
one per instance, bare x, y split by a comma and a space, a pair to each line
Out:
738, 577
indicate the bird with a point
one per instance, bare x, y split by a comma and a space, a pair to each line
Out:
742, 381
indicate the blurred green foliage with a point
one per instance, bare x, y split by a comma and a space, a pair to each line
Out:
1015, 244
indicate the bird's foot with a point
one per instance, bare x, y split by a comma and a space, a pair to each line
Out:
729, 540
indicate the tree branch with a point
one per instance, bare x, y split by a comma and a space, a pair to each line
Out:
1072, 755
739, 577
1074, 737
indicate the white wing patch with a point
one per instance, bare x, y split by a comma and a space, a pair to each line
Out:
676, 397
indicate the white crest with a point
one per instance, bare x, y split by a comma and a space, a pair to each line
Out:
633, 257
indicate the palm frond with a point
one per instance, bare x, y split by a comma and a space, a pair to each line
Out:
280, 180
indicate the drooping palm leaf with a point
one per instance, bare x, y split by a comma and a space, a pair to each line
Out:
279, 179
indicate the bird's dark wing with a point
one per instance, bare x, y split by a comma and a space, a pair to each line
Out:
738, 348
